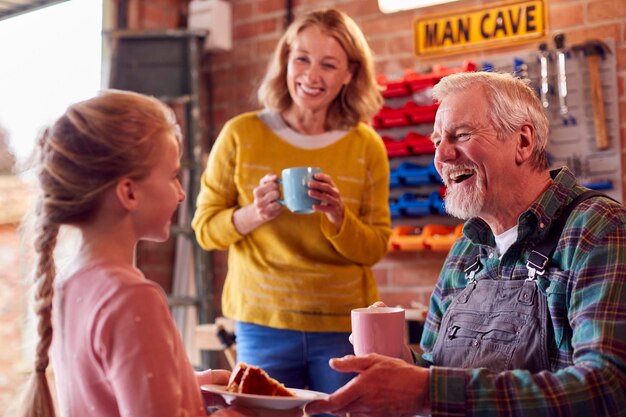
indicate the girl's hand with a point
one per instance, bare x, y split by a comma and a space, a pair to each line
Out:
213, 376
323, 188
234, 412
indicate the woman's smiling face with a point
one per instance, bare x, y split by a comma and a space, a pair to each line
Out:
317, 69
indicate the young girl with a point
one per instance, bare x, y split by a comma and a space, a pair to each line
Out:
109, 167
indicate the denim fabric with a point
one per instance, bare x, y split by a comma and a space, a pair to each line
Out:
510, 333
297, 359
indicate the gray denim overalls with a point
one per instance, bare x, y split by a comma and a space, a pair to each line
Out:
502, 324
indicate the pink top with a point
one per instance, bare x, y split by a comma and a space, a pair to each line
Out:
116, 350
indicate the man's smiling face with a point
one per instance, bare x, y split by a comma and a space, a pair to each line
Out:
469, 155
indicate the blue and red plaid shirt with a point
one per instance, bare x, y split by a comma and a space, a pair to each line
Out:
585, 284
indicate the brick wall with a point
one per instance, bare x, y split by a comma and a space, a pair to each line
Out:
258, 24
233, 77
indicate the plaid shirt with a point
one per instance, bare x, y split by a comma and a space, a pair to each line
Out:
585, 285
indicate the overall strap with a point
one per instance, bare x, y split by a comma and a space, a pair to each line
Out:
472, 270
540, 256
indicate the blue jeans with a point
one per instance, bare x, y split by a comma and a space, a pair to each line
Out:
297, 359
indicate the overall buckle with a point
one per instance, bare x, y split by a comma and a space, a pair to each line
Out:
470, 271
536, 265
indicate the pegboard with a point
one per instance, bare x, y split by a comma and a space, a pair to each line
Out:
414, 204
572, 140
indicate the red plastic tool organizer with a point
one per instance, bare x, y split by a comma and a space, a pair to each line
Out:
412, 144
410, 113
407, 105
413, 82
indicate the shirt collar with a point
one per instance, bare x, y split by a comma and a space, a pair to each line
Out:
536, 220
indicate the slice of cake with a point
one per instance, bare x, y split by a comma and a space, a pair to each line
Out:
248, 379
235, 377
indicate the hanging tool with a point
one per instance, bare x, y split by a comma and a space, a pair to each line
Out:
561, 57
544, 55
520, 69
594, 51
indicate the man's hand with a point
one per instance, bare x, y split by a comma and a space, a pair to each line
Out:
383, 387
407, 353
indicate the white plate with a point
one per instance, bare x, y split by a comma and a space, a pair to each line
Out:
302, 396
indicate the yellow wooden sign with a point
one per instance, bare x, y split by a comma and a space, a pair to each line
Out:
477, 28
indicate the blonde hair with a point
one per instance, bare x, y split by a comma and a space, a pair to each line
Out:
87, 150
512, 102
358, 101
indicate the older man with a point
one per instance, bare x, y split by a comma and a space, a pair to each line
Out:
529, 315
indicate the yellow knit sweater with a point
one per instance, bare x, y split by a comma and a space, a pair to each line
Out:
296, 271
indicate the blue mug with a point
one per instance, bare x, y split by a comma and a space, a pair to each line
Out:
295, 191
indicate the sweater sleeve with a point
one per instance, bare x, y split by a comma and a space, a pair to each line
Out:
218, 199
371, 226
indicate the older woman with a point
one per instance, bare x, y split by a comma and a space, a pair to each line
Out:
293, 278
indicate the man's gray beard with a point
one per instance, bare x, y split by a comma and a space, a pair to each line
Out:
465, 205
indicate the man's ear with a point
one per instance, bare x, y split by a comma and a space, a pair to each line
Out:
525, 143
126, 193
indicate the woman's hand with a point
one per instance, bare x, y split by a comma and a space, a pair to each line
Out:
264, 207
265, 196
323, 188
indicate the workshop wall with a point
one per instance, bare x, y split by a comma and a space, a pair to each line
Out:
403, 276
233, 77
